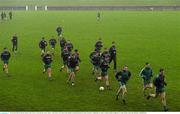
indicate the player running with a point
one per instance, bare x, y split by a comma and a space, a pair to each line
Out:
52, 43
65, 55
62, 42
42, 45
76, 53
159, 83
69, 46
5, 56
146, 74
122, 77
47, 59
10, 15
59, 30
14, 41
112, 52
95, 58
99, 45
98, 16
72, 63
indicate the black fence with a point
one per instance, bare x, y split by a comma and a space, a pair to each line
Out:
91, 8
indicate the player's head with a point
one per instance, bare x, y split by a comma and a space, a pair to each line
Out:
43, 38
76, 50
99, 39
125, 68
5, 49
147, 65
48, 52
161, 71
105, 49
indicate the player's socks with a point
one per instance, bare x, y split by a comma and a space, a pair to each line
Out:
72, 83
148, 97
165, 108
124, 101
50, 78
3, 69
117, 97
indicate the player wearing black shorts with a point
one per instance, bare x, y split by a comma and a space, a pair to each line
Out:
5, 56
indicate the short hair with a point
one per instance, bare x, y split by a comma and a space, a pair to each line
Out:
100, 38
76, 50
5, 48
146, 63
161, 69
113, 42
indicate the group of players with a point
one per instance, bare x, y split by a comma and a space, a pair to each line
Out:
101, 63
69, 57
4, 16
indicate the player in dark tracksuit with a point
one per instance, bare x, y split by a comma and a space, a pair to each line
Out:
5, 56
112, 52
65, 55
95, 59
62, 42
2, 16
122, 77
14, 41
69, 46
98, 45
52, 43
59, 30
98, 16
72, 63
47, 59
42, 45
159, 83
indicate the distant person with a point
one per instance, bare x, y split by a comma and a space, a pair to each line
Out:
159, 83
5, 56
62, 43
43, 45
147, 74
10, 15
47, 59
52, 43
98, 16
122, 77
98, 45
112, 52
59, 30
14, 41
78, 60
2, 16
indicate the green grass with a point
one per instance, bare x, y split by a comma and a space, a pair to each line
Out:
140, 36
88, 2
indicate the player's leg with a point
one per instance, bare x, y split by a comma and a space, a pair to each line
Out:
49, 71
107, 81
163, 100
73, 78
115, 65
5, 67
13, 48
124, 91
16, 47
118, 91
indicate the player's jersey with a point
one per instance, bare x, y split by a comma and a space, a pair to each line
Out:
69, 46
112, 51
65, 54
95, 59
123, 76
72, 62
47, 59
146, 73
62, 43
104, 66
76, 54
5, 55
42, 44
52, 41
14, 40
105, 56
159, 81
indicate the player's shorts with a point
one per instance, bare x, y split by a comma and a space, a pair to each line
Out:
71, 70
64, 62
46, 66
53, 46
96, 67
147, 83
160, 90
122, 84
6, 62
103, 74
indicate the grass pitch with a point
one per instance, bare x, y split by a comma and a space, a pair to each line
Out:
140, 36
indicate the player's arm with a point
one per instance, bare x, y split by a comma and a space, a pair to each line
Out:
117, 76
